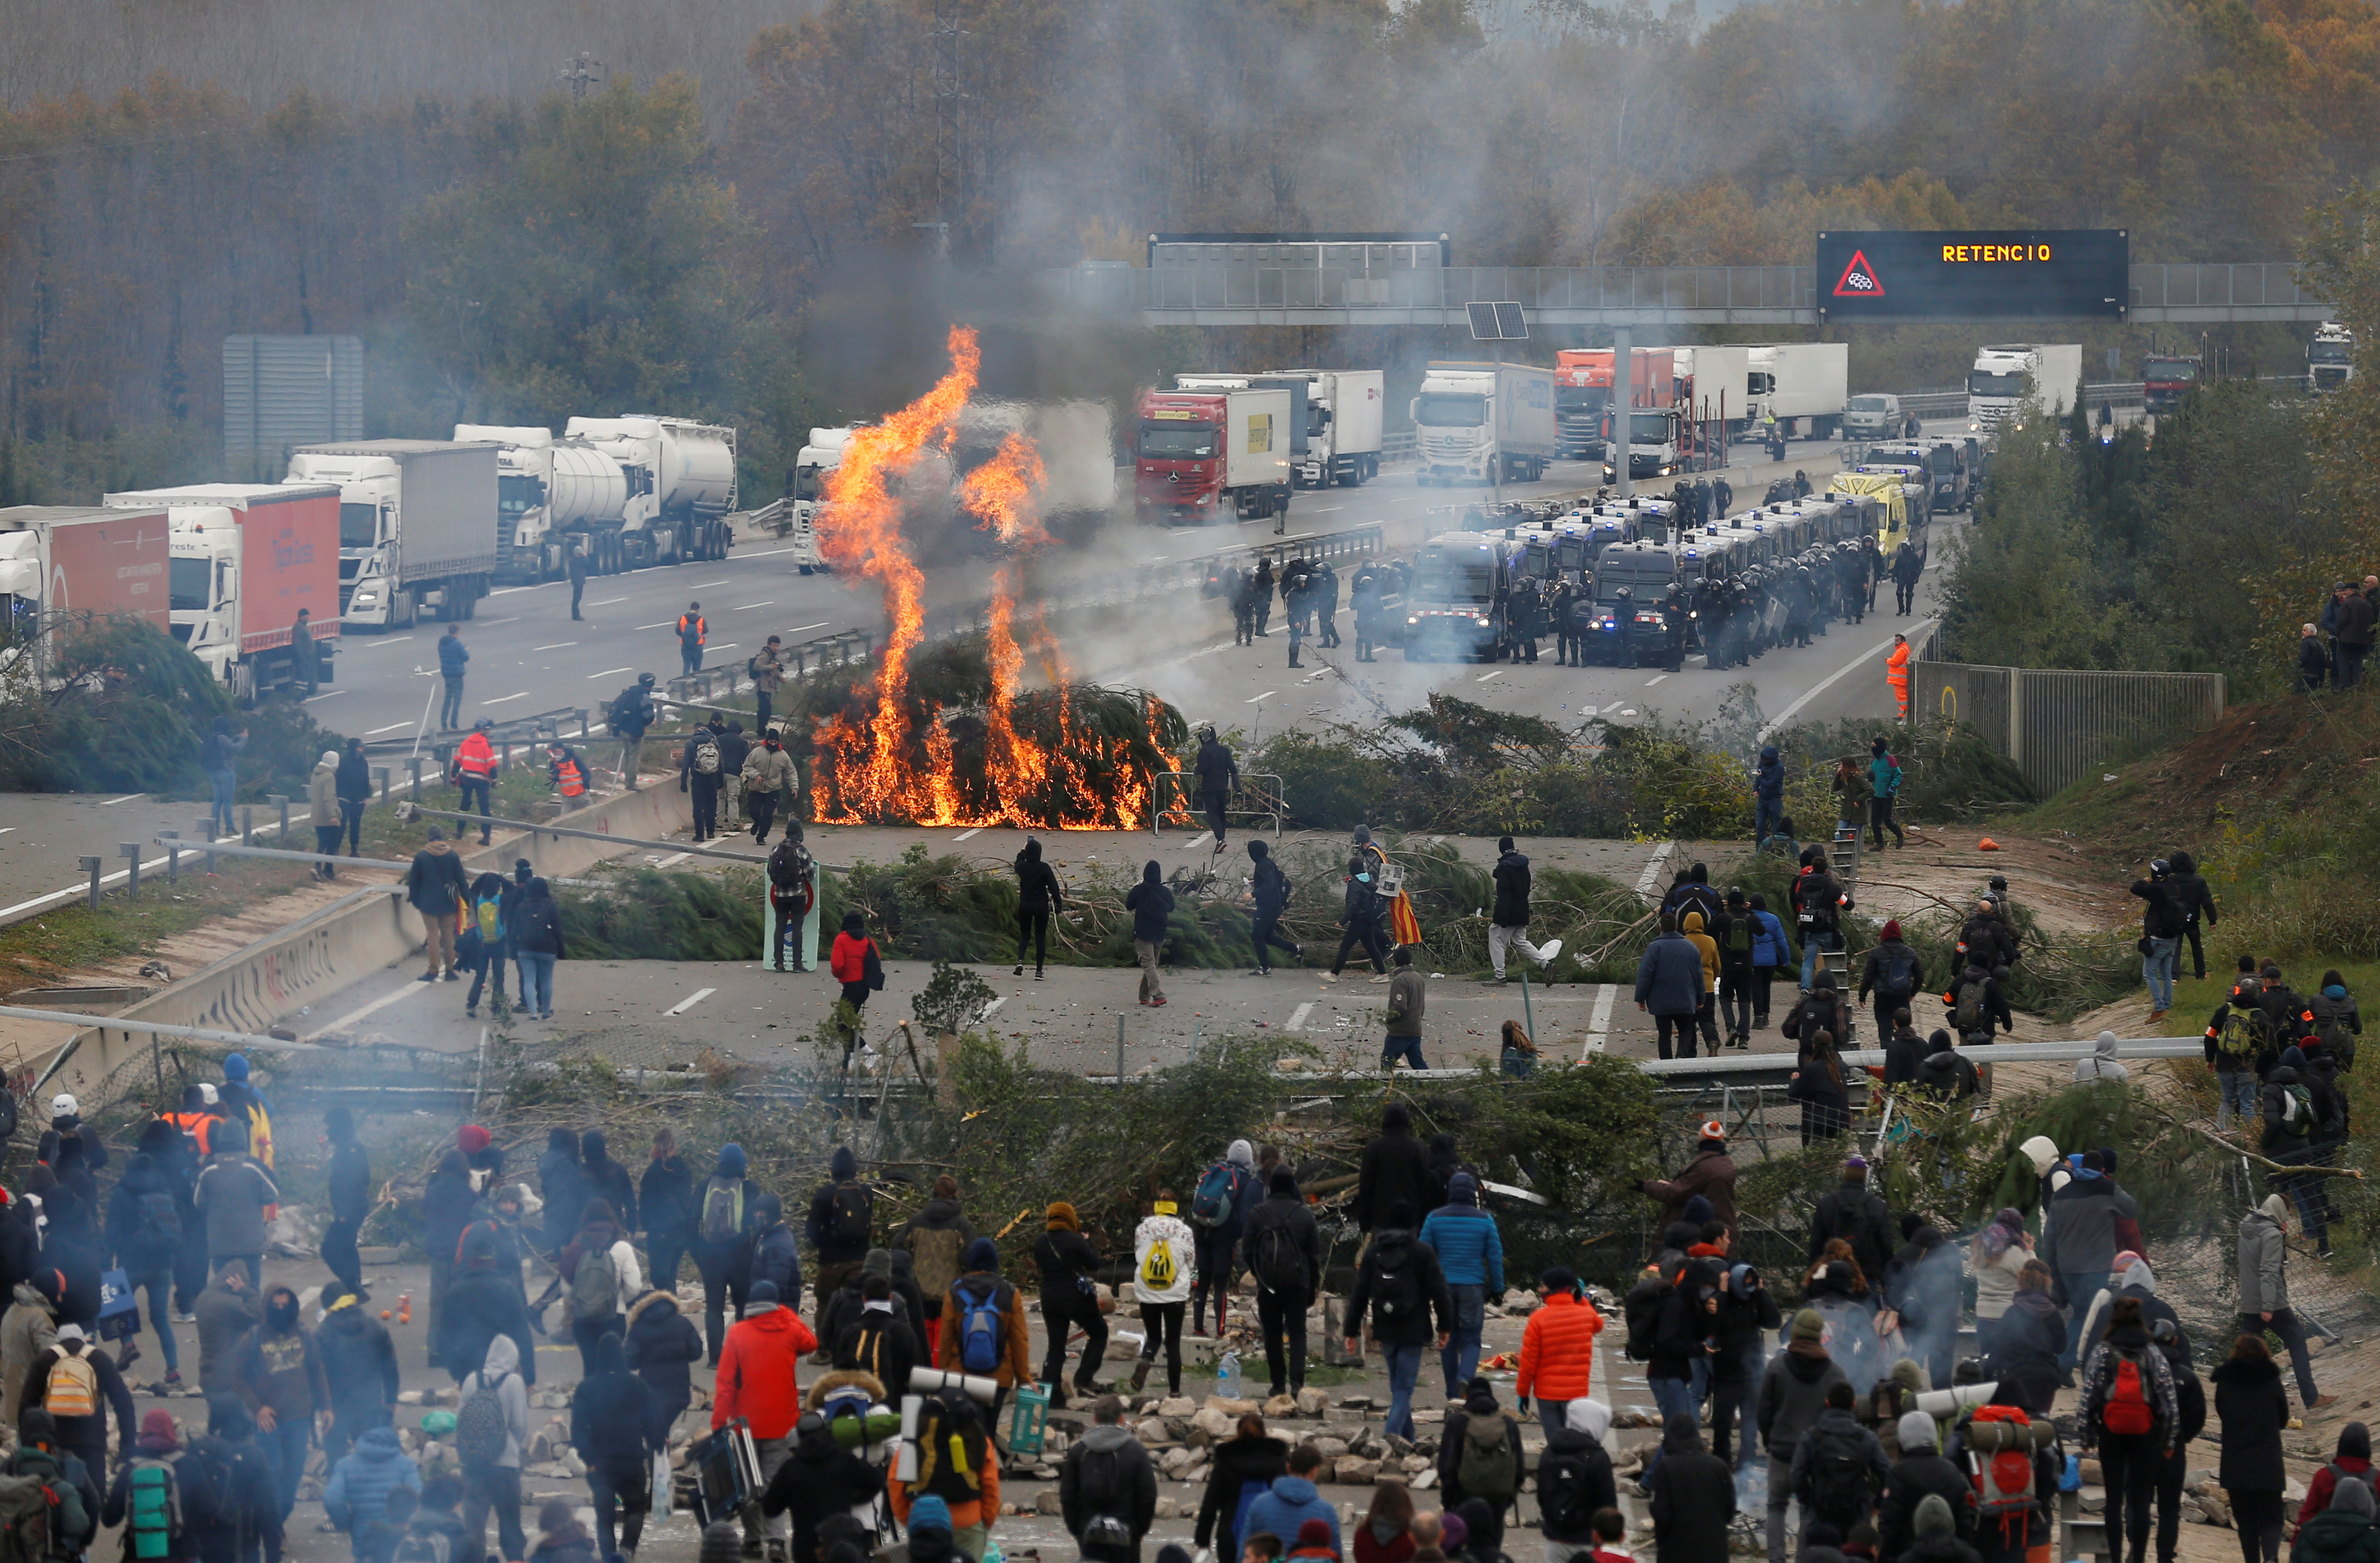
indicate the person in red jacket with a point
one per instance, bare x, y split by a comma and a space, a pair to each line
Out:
856, 965
755, 1383
474, 770
1558, 1349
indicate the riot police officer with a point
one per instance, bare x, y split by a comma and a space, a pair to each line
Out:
1557, 609
1322, 591
1624, 615
1675, 623
1364, 590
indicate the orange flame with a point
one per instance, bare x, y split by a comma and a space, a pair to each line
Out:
874, 773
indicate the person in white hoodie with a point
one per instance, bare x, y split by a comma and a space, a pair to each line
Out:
1164, 1267
2102, 1064
496, 1483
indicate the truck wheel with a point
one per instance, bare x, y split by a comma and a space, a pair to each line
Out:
805, 569
471, 599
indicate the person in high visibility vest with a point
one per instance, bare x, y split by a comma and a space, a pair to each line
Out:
1896, 673
569, 777
474, 770
693, 632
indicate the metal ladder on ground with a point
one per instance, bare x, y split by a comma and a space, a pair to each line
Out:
1844, 856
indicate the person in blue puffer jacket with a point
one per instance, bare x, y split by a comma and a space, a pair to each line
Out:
1770, 951
357, 1492
1470, 1256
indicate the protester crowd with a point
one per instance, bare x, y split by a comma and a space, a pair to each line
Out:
1834, 1403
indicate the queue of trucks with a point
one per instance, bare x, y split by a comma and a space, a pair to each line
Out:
64, 563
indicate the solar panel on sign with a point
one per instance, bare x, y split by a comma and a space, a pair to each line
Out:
1510, 325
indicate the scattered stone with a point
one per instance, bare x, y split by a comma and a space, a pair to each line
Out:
1309, 1403
1168, 1507
408, 1397
1178, 1405
1367, 1443
1049, 1504
1212, 1423
1414, 1464
1330, 1449
1281, 1406
1175, 1461
1230, 1407
1424, 1481
1356, 1472
1356, 1403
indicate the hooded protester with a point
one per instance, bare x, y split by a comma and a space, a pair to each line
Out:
1038, 899
2027, 1346
1923, 1285
755, 1383
2255, 1411
359, 1362
2132, 1277
727, 1214
1573, 1477
1997, 1258
1268, 892
1395, 1169
1471, 1257
820, 1479
492, 1483
233, 1192
1292, 1500
1399, 1281
157, 1535
1936, 1527
1944, 1072
144, 1229
1244, 1468
2085, 1224
596, 1269
1152, 905
29, 1328
777, 1256
1694, 1497
247, 1511
279, 1375
665, 1199
481, 1304
1068, 1268
936, 1238
660, 1348
841, 1228
2102, 1064
2263, 1295
608, 1180
1769, 793
1838, 1467
538, 944
357, 1494
1108, 1472
2342, 1533
1479, 1452
561, 1185
1794, 1390
2349, 1465
75, 1372
615, 1427
347, 1188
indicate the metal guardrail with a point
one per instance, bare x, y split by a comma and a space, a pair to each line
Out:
839, 649
2058, 723
2160, 293
1399, 445
1176, 796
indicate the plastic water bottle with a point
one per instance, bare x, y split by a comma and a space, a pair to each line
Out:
1227, 1376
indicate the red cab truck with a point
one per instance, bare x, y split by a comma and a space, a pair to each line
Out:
1196, 454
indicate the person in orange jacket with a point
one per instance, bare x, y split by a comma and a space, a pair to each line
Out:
755, 1383
1558, 1349
474, 770
1896, 673
979, 1286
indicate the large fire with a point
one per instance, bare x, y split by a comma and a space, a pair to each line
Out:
1045, 761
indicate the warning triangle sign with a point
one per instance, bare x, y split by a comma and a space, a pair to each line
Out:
1859, 279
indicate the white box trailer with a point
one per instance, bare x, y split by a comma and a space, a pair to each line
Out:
1470, 418
417, 522
2003, 372
1803, 385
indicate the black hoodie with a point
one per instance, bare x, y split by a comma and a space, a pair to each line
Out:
1400, 1270
1512, 877
447, 1206
1152, 905
1694, 1497
665, 1197
144, 1220
819, 1478
615, 1416
662, 1347
608, 1180
1394, 1167
562, 1182
359, 1360
1567, 1447
1238, 1462
1037, 882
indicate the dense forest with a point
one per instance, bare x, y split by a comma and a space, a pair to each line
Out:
730, 225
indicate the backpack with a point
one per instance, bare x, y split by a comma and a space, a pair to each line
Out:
2242, 1035
1485, 1464
480, 1431
1099, 1485
29, 1532
952, 1449
423, 1546
1396, 1294
705, 756
789, 864
1899, 975
1279, 1268
2004, 1438
934, 1253
2127, 1409
2296, 1107
1218, 1196
850, 1216
1644, 1304
159, 1220
2368, 1476
868, 1343
981, 1339
154, 1512
201, 1481
594, 1287
723, 1211
621, 715
1839, 1478
1564, 1508
72, 1388
1157, 1271
1968, 1014
1738, 936
488, 916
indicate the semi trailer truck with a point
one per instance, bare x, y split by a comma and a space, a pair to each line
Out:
417, 526
63, 566
2007, 373
246, 559
1196, 454
1473, 421
684, 473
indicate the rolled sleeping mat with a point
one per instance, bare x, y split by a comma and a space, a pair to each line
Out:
1958, 1397
872, 1426
904, 1463
929, 1381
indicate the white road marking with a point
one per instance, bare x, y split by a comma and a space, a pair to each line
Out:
1587, 710
360, 644
607, 672
607, 601
705, 585
820, 625
392, 727
723, 646
987, 1008
1326, 510
690, 1000
412, 987
1913, 631
664, 625
555, 647
672, 860
1651, 874
325, 694
1655, 679
748, 607
1298, 1017
503, 700
128, 797
963, 835
1266, 695
1486, 676
1598, 1029
509, 619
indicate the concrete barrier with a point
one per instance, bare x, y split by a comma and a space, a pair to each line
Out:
335, 946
